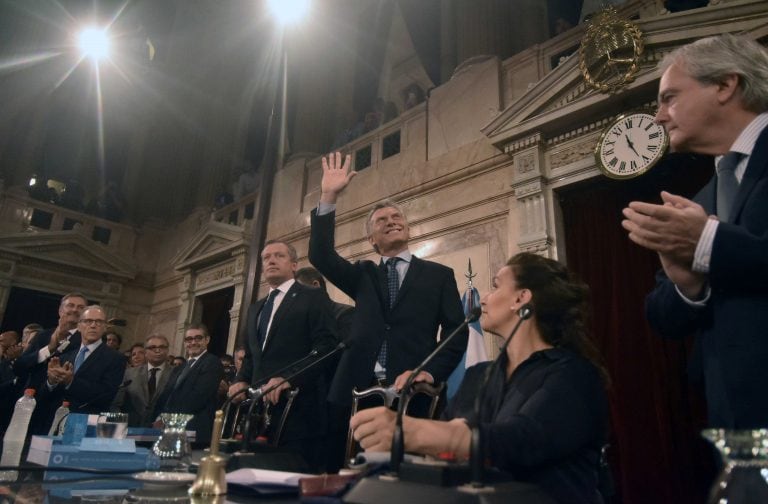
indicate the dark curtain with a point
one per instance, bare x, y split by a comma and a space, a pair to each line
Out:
422, 19
656, 414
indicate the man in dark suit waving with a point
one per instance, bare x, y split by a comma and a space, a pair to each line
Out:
195, 384
401, 302
713, 99
282, 328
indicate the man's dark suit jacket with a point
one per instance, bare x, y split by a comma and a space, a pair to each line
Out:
303, 322
93, 388
731, 329
30, 373
134, 399
195, 392
428, 300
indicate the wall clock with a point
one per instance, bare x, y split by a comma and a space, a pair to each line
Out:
631, 145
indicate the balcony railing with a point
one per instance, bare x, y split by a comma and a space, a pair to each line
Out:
19, 213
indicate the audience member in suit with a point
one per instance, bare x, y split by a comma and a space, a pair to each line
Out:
196, 384
89, 377
713, 99
389, 336
145, 384
338, 428
10, 389
31, 368
282, 328
28, 334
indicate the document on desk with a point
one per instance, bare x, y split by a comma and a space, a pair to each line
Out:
263, 481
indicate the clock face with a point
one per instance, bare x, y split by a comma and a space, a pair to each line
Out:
631, 145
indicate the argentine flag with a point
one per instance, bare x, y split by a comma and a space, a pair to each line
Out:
475, 344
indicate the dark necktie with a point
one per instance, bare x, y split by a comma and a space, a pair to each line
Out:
152, 382
393, 285
266, 313
727, 184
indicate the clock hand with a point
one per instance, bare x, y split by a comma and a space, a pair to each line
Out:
631, 145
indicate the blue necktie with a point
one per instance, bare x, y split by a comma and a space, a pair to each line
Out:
393, 285
266, 313
727, 184
80, 357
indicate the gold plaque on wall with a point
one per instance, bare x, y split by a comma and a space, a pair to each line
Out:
610, 52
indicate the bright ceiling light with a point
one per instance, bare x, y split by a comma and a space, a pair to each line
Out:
288, 12
94, 43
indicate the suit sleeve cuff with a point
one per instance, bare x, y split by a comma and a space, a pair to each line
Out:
325, 208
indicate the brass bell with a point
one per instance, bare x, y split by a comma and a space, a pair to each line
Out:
211, 475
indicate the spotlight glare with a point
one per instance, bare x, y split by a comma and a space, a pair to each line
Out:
94, 43
288, 12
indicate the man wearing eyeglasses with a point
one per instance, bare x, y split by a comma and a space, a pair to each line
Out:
194, 389
89, 377
146, 384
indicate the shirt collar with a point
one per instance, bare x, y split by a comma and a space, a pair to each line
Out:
283, 287
405, 255
746, 140
93, 346
161, 367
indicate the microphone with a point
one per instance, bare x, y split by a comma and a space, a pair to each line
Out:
254, 392
476, 455
398, 441
259, 393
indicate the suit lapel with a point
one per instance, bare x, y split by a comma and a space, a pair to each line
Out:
756, 167
91, 360
285, 306
164, 377
143, 376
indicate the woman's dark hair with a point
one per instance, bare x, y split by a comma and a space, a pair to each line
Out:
560, 304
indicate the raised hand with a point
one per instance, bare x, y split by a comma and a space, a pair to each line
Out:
336, 176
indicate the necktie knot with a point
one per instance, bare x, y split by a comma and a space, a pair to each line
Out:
728, 162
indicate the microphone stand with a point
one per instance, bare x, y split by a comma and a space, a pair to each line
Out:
476, 449
255, 391
260, 393
398, 441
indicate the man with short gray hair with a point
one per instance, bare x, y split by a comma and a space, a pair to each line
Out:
145, 384
713, 99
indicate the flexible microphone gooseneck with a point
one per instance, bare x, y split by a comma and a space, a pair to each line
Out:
254, 391
259, 392
398, 441
476, 451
